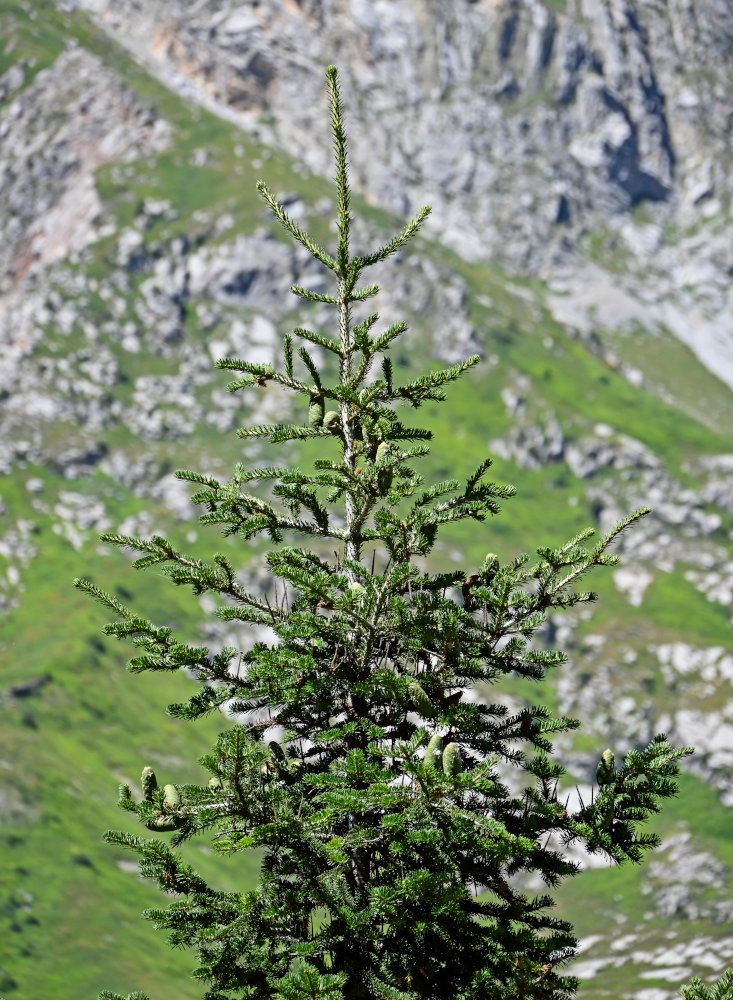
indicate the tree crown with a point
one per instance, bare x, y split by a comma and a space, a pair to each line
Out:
397, 815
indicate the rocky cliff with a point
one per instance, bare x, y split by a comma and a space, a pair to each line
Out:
543, 133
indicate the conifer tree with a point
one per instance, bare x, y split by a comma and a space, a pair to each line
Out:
721, 989
395, 814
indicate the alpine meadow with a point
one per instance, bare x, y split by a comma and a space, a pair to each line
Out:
401, 824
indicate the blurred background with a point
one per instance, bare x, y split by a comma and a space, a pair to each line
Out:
577, 157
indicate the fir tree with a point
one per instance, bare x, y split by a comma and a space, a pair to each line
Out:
721, 989
393, 844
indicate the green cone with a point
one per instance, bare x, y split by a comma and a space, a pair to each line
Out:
163, 823
171, 797
149, 783
434, 753
315, 413
606, 768
332, 422
420, 700
452, 763
384, 476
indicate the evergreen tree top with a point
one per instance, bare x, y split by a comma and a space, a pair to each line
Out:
396, 814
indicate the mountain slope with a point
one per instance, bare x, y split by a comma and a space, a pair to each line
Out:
592, 125
141, 253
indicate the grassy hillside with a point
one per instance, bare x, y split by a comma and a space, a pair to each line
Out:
69, 905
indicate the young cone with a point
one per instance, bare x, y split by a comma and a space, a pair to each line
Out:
370, 849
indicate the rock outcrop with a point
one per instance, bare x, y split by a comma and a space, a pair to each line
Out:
549, 136
559, 119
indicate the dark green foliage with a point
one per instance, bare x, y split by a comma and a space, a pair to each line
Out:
722, 989
392, 843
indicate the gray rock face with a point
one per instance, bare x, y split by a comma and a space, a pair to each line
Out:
49, 152
527, 125
74, 117
520, 123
